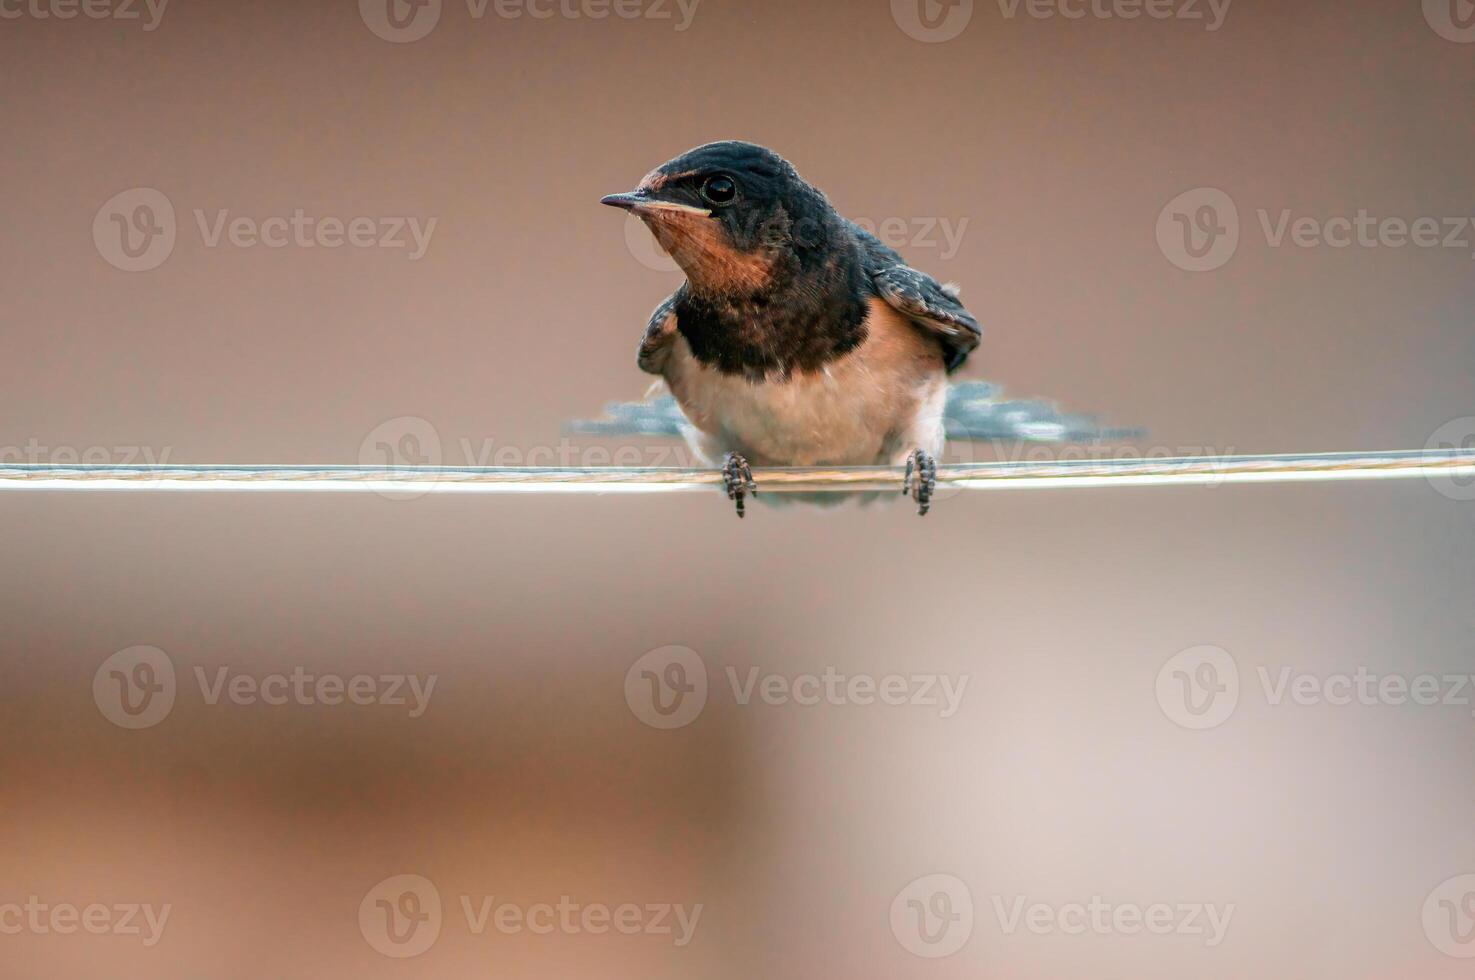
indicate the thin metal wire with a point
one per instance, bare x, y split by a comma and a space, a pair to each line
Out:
1027, 475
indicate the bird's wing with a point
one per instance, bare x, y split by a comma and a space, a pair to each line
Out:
660, 334
927, 303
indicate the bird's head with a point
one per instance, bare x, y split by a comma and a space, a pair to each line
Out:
729, 213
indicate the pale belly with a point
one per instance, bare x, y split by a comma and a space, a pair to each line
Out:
873, 406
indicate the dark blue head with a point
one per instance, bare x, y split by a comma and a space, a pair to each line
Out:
729, 212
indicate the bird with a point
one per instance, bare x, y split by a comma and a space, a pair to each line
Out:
798, 338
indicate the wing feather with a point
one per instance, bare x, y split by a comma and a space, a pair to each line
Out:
930, 305
660, 334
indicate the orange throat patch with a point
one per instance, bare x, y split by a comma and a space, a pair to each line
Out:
703, 249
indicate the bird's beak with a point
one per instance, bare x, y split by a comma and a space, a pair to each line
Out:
628, 202
643, 202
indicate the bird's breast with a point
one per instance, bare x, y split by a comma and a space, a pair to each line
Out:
870, 406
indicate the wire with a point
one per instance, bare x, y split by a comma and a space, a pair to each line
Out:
1453, 465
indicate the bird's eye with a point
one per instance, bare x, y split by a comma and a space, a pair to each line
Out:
720, 190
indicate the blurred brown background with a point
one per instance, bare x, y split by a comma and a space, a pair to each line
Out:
1054, 145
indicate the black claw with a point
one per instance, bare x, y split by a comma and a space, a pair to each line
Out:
921, 479
738, 478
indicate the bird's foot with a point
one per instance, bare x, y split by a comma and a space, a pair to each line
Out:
921, 479
738, 478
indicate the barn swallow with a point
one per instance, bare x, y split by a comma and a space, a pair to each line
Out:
798, 338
